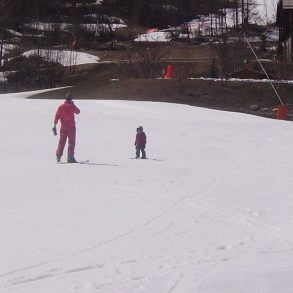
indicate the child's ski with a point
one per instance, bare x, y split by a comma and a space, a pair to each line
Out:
152, 159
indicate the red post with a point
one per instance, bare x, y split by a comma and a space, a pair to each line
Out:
169, 72
282, 113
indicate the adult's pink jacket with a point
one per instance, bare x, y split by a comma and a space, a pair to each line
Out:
65, 114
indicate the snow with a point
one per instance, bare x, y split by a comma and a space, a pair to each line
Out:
267, 10
49, 26
102, 27
13, 32
154, 37
213, 214
281, 81
64, 57
4, 75
8, 47
81, 3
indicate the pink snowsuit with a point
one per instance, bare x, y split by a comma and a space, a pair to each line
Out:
65, 114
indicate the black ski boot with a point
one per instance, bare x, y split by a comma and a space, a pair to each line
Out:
71, 160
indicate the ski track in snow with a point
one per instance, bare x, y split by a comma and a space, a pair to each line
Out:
50, 274
185, 200
74, 270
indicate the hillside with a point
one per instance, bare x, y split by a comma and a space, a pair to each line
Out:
117, 81
118, 30
196, 44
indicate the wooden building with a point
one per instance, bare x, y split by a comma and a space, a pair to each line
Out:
247, 73
285, 23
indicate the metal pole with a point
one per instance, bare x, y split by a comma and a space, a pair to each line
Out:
263, 69
139, 11
243, 14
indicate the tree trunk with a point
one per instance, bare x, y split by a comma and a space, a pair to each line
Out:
1, 48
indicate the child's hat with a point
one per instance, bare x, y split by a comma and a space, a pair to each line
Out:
139, 128
68, 96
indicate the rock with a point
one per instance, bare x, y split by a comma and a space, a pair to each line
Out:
254, 107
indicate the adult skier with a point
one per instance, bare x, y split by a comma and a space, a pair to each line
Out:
65, 113
140, 142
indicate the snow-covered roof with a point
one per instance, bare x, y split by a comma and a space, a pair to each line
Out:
287, 4
7, 47
13, 32
154, 37
43, 26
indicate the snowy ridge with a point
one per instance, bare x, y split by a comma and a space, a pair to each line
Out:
90, 27
245, 80
213, 215
64, 57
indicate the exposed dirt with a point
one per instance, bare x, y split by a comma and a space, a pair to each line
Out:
174, 52
98, 83
119, 80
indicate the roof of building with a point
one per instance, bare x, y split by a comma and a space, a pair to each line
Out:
247, 73
287, 4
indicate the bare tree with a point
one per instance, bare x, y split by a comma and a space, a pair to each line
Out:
149, 56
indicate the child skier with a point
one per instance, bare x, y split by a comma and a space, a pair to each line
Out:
140, 142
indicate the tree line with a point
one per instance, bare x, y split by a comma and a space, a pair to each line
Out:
148, 13
138, 15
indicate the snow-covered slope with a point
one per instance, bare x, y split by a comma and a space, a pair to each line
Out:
212, 213
64, 57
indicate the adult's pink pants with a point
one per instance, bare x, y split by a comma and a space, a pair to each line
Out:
69, 133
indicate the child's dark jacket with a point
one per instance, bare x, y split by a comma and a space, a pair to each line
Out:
140, 139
